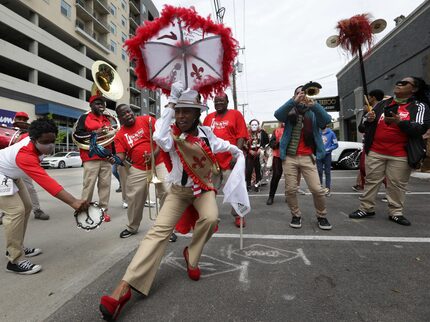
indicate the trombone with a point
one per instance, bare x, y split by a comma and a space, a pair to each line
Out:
153, 177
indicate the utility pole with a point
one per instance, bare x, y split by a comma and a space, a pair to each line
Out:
234, 88
243, 108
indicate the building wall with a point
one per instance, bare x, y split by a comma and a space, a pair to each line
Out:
405, 51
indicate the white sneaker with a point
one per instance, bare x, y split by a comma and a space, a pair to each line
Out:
124, 205
300, 191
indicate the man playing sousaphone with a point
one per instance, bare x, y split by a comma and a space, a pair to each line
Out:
191, 148
96, 169
133, 141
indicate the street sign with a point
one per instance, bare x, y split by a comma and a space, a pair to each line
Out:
331, 104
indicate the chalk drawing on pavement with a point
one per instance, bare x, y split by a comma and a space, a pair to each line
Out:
271, 255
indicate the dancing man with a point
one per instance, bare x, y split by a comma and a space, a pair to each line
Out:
300, 142
228, 125
17, 161
96, 169
191, 148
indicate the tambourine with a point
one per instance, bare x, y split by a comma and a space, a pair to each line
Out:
90, 219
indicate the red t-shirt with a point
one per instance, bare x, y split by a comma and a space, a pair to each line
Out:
134, 141
93, 123
303, 149
389, 139
230, 126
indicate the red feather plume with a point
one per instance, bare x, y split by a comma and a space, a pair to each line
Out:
355, 32
193, 20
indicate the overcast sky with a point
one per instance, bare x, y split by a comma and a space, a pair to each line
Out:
284, 43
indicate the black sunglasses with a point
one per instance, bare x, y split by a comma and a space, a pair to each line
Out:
404, 83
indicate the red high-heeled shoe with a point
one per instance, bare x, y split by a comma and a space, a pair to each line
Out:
193, 273
110, 308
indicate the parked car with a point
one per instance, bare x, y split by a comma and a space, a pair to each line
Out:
347, 155
62, 160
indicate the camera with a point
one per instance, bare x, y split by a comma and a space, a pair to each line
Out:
390, 110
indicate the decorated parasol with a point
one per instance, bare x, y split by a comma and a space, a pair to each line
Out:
354, 33
182, 46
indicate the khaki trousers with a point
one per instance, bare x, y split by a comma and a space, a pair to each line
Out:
99, 171
123, 173
141, 272
17, 209
32, 192
219, 182
397, 172
291, 166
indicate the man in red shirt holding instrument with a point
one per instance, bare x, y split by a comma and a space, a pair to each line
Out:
133, 141
96, 169
228, 125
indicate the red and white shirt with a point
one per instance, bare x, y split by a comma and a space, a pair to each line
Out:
389, 139
21, 160
134, 141
231, 127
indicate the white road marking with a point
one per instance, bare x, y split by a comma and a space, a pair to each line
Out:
325, 238
417, 193
243, 277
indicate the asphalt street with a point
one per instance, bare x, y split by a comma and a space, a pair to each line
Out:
362, 270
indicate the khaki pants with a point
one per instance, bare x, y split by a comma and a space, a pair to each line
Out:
123, 173
17, 209
397, 172
32, 192
291, 166
219, 182
99, 171
141, 272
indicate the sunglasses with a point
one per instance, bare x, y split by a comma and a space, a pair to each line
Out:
404, 83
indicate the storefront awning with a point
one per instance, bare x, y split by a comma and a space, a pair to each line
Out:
56, 109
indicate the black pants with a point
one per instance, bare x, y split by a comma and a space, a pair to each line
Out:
276, 175
252, 163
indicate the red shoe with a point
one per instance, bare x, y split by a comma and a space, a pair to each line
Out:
110, 308
237, 221
106, 217
193, 273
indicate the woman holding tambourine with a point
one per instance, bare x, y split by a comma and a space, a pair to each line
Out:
17, 161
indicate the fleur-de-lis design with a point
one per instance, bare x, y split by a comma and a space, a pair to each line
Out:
197, 72
199, 162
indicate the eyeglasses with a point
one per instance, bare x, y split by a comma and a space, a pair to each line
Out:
404, 83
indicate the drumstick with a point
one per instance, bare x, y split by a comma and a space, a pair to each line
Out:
369, 107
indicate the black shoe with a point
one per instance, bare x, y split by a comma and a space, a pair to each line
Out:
29, 252
401, 220
126, 233
323, 223
269, 201
296, 222
24, 267
173, 238
118, 190
358, 214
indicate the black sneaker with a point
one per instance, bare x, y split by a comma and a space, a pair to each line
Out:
296, 222
126, 233
269, 201
29, 252
401, 220
173, 238
323, 223
358, 214
24, 267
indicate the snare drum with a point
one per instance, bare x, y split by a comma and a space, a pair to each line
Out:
9, 136
90, 219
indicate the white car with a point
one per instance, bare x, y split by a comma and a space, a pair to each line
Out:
62, 160
346, 148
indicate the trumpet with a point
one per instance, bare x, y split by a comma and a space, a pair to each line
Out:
153, 177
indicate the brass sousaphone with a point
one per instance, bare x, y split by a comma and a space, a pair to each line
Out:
108, 84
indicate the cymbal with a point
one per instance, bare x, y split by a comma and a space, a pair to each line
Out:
378, 26
332, 41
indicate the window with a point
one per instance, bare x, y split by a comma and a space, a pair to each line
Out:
113, 28
113, 10
66, 9
123, 21
113, 46
123, 37
143, 8
123, 54
123, 4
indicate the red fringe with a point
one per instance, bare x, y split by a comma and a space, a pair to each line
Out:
194, 140
355, 32
193, 21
